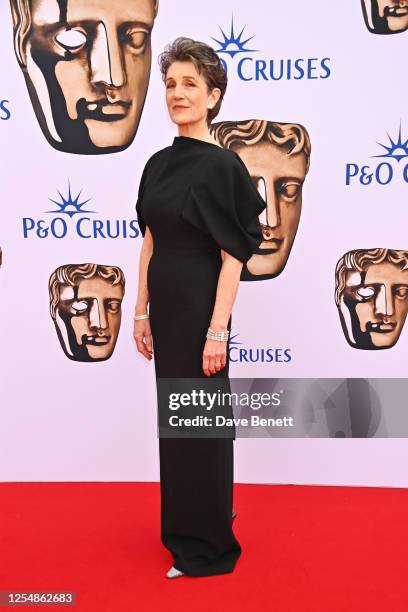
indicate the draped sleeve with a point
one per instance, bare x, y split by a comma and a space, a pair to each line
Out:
142, 184
223, 202
140, 219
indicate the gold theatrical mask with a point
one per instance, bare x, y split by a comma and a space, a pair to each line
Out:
87, 68
277, 156
85, 304
372, 296
386, 16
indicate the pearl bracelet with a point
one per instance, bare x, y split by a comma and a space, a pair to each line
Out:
222, 336
139, 317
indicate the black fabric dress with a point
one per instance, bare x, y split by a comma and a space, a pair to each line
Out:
196, 198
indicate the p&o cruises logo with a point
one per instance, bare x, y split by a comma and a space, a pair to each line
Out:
240, 353
385, 171
72, 217
249, 68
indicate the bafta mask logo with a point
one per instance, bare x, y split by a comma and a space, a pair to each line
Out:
372, 296
386, 16
85, 304
277, 156
87, 68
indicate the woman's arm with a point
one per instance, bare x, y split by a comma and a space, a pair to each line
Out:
215, 352
141, 329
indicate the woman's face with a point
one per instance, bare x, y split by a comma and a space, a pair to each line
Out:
187, 96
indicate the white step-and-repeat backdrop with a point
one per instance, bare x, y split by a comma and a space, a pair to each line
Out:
316, 107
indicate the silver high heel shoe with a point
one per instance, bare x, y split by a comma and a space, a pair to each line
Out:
174, 572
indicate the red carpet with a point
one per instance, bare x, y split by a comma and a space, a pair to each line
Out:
319, 549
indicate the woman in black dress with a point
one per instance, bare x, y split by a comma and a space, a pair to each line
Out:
198, 211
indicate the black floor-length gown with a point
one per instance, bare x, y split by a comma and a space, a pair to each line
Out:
196, 198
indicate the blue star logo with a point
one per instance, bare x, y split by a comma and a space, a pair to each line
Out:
233, 341
70, 206
396, 149
233, 44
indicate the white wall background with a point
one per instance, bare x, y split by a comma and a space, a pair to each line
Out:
69, 421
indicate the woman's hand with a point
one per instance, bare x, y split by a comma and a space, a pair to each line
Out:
214, 356
143, 337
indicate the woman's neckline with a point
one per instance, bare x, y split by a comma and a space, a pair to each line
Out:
187, 139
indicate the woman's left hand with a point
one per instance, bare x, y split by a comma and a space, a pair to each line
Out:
214, 356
